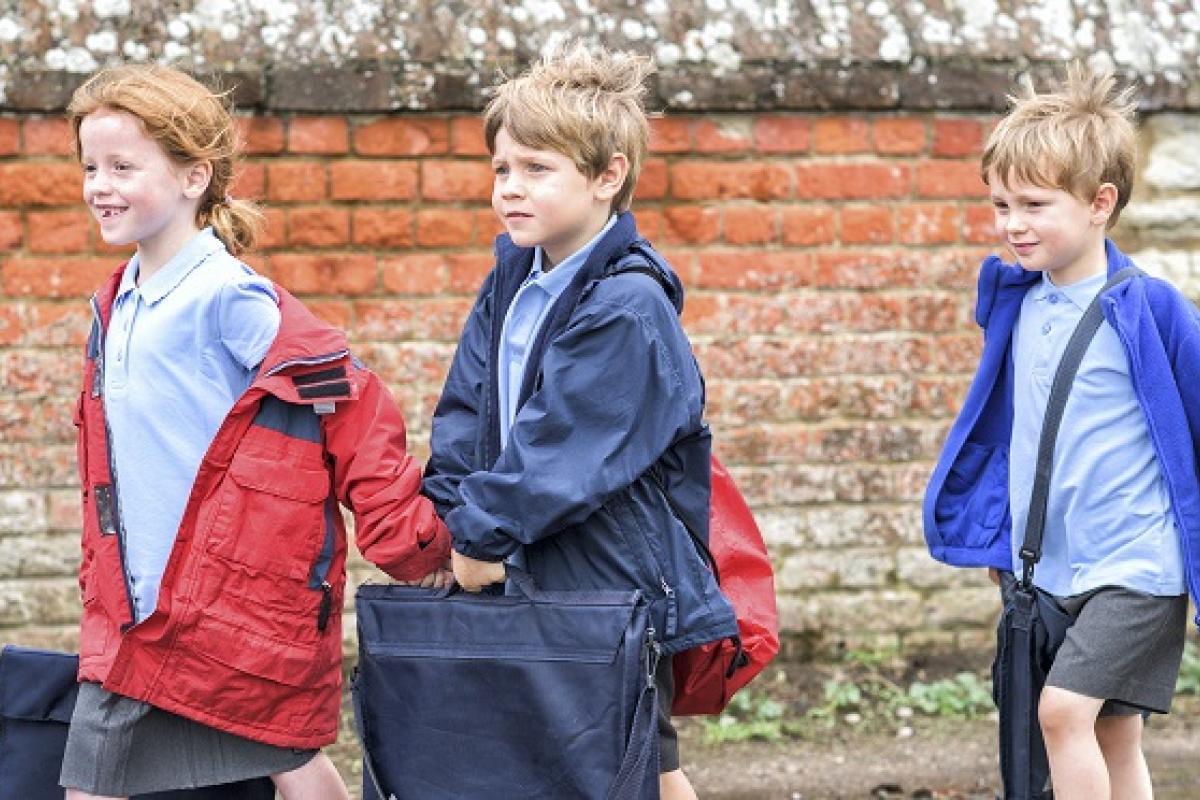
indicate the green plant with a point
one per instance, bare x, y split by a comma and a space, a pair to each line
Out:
964, 695
862, 690
1189, 671
749, 715
857, 694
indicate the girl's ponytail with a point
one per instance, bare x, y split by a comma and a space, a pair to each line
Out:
237, 223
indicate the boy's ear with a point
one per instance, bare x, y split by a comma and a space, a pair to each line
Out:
196, 177
612, 178
1104, 203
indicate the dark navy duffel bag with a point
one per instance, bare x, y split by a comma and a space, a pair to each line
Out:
532, 695
37, 696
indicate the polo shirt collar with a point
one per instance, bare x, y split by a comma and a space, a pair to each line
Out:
163, 282
1080, 293
557, 279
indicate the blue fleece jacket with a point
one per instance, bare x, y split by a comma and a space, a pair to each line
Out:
966, 513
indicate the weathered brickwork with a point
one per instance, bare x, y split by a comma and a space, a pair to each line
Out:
830, 261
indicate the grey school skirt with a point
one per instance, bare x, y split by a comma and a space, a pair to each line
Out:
118, 746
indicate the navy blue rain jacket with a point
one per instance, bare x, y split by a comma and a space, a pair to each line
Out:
610, 423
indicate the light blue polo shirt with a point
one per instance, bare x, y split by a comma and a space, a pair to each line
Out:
180, 350
526, 315
1108, 520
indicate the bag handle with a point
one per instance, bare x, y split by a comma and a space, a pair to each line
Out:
1064, 376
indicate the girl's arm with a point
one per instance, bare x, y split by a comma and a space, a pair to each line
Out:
396, 527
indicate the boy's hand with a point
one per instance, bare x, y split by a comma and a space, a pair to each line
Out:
994, 575
438, 579
473, 574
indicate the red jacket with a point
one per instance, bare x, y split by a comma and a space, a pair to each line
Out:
247, 634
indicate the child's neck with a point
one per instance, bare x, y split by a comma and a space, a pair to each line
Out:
155, 252
553, 256
1093, 262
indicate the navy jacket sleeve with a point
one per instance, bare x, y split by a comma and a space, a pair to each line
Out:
455, 429
620, 385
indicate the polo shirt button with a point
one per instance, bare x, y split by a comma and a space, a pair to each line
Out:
1046, 329
1053, 298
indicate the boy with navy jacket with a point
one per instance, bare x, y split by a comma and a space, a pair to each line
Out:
570, 435
1122, 530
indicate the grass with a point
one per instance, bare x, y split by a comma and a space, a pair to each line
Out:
1189, 671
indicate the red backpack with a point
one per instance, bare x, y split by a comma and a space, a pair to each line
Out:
707, 676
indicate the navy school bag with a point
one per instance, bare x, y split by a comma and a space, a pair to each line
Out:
37, 696
531, 695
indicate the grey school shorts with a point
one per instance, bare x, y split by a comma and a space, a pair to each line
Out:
1124, 647
118, 746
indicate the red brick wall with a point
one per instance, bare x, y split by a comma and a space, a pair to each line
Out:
830, 262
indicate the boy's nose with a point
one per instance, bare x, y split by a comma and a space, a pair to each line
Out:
511, 188
1014, 222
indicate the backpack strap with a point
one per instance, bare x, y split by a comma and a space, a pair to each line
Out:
640, 259
1060, 388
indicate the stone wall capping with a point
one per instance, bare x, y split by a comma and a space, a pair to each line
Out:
388, 85
385, 85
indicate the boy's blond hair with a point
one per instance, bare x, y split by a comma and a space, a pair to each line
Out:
190, 122
1075, 138
585, 104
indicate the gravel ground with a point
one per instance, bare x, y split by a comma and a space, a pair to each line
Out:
942, 759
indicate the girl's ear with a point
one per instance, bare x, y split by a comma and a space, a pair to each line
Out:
612, 178
196, 177
1104, 203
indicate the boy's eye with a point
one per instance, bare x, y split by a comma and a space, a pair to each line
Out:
1000, 205
122, 166
500, 169
89, 169
536, 167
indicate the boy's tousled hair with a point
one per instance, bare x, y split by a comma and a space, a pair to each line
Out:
190, 123
1075, 138
583, 103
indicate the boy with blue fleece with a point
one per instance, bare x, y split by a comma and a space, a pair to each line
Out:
1122, 531
570, 431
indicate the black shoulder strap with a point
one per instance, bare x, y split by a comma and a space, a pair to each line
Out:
639, 259
1064, 376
